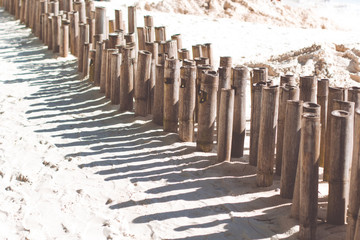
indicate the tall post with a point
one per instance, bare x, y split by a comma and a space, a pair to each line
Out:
153, 48
142, 83
309, 161
86, 59
322, 99
108, 70
266, 146
127, 80
79, 6
64, 38
290, 150
341, 147
100, 48
171, 94
241, 77
160, 34
56, 26
158, 110
74, 33
83, 37
132, 19
354, 96
115, 61
226, 121
187, 99
100, 21
207, 110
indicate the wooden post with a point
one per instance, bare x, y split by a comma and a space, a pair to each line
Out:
115, 39
74, 33
118, 20
288, 80
153, 48
79, 6
267, 134
171, 94
115, 61
91, 23
92, 54
23, 10
354, 195
196, 51
255, 121
224, 82
309, 163
199, 72
171, 49
308, 89
226, 121
183, 54
141, 38
50, 35
43, 10
100, 21
187, 100
130, 38
290, 150
100, 49
83, 37
64, 38
132, 19
127, 80
286, 93
108, 70
259, 75
322, 99
54, 7
111, 24
56, 26
160, 34
86, 60
339, 94
201, 61
354, 96
158, 110
241, 76
103, 69
340, 159
310, 107
142, 83
207, 110
209, 53
149, 29
68, 6
177, 38
36, 29
226, 61
90, 7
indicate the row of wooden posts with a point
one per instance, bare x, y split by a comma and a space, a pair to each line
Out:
296, 126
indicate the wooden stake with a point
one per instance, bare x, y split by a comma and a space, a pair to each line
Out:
127, 80
267, 134
340, 159
308, 89
241, 76
309, 163
132, 19
255, 121
286, 93
109, 72
322, 99
207, 110
290, 150
79, 6
158, 110
187, 100
115, 61
56, 25
196, 51
142, 83
100, 48
74, 33
83, 37
160, 34
226, 121
153, 48
339, 94
171, 94
64, 38
100, 21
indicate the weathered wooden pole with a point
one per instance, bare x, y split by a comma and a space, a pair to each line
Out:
100, 21
54, 7
207, 110
335, 93
142, 83
199, 72
226, 122
309, 162
79, 6
160, 34
83, 37
90, 7
92, 54
322, 99
171, 49
340, 160
267, 134
171, 94
286, 93
310, 107
256, 106
288, 80
132, 19
354, 96
43, 11
56, 26
201, 61
23, 10
108, 71
130, 38
127, 80
158, 110
187, 100
225, 81
196, 51
209, 53
115, 61
100, 49
183, 54
68, 6
290, 150
308, 89
64, 38
91, 23
354, 195
153, 48
37, 16
118, 20
149, 29
241, 77
86, 59
259, 75
49, 32
74, 33
141, 38
115, 39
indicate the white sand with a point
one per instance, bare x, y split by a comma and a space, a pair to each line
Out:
73, 167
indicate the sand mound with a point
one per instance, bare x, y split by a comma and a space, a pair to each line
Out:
339, 63
258, 11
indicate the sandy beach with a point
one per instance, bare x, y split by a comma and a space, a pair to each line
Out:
73, 167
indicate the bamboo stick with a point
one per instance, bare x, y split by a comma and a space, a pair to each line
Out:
142, 83
309, 163
127, 80
187, 100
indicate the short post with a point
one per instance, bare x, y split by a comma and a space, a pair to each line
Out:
171, 49
100, 49
259, 75
309, 161
50, 35
83, 37
201, 61
158, 110
171, 94
256, 93
160, 34
64, 38
56, 26
153, 48
288, 80
341, 147
92, 53
268, 126
109, 71
196, 51
335, 93
322, 99
115, 61
86, 60
187, 99
183, 54
308, 89
226, 121
290, 150
127, 80
207, 110
286, 93
241, 77
142, 83
74, 33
